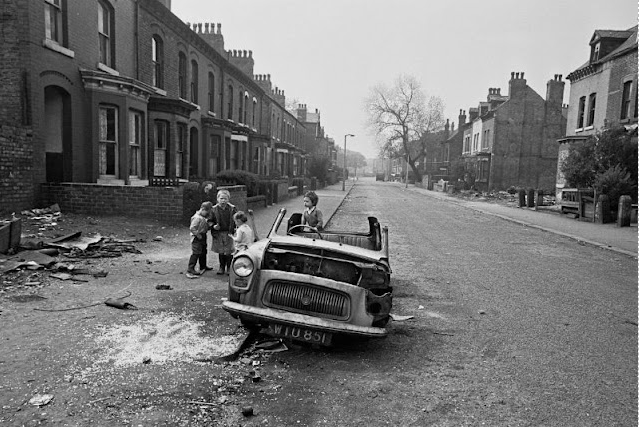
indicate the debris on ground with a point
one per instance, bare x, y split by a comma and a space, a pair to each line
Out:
119, 303
41, 399
399, 318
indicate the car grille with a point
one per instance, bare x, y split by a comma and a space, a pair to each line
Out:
306, 299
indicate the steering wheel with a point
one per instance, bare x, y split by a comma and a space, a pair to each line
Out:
313, 229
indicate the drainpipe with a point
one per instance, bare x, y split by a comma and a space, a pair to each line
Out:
137, 39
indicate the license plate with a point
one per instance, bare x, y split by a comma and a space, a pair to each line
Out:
300, 334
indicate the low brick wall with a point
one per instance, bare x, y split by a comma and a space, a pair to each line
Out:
292, 192
282, 191
256, 202
161, 203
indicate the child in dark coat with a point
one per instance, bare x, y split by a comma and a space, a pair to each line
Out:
199, 227
312, 216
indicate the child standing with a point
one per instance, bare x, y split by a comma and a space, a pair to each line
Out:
223, 225
244, 235
312, 216
198, 227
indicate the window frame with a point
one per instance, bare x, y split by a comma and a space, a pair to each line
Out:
54, 21
194, 81
136, 139
211, 92
180, 144
106, 39
230, 103
581, 112
182, 75
160, 147
246, 98
157, 57
108, 133
254, 113
592, 105
626, 99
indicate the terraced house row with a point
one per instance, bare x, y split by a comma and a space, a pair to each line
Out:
122, 92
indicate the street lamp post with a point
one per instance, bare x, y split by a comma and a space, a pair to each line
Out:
344, 172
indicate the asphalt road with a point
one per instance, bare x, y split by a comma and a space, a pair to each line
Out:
512, 326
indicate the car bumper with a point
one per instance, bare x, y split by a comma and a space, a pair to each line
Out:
269, 315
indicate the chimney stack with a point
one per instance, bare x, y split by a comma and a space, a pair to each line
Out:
516, 85
462, 118
555, 91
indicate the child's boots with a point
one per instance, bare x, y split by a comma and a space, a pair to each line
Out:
190, 271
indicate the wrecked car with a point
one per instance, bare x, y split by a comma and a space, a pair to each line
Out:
311, 286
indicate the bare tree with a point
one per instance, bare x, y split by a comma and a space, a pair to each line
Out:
401, 116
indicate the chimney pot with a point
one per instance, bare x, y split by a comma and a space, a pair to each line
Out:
522, 74
512, 74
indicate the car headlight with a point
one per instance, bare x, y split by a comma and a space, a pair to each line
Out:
243, 266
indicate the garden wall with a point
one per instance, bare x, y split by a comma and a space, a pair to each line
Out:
168, 204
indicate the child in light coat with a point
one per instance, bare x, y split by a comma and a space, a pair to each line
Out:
244, 235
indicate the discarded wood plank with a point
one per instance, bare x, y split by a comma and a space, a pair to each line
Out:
195, 402
66, 237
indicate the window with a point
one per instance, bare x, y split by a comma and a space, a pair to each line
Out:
591, 108
240, 104
595, 52
179, 150
476, 142
254, 113
135, 141
211, 92
484, 139
53, 21
157, 53
108, 143
194, 82
234, 155
483, 171
246, 100
625, 100
581, 112
182, 75
159, 150
105, 34
214, 155
230, 104
256, 160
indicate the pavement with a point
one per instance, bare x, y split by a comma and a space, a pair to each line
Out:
622, 240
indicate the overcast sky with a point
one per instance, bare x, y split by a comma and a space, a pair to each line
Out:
327, 54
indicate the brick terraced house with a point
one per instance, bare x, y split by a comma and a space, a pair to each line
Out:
123, 93
511, 140
603, 91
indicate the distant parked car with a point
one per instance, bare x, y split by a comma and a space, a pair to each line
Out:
309, 285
